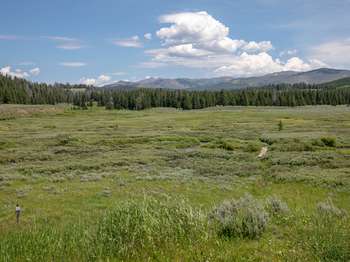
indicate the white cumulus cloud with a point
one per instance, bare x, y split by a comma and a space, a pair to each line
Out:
205, 32
19, 73
253, 46
99, 81
246, 64
296, 64
7, 71
88, 81
148, 36
104, 78
183, 50
198, 40
191, 27
334, 53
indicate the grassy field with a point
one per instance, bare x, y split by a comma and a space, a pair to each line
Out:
170, 185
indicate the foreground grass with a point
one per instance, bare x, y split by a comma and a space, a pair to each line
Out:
171, 229
68, 168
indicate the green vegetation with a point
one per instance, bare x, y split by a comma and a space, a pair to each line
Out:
245, 218
340, 83
329, 141
172, 185
20, 91
280, 125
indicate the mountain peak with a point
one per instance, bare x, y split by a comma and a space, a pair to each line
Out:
317, 76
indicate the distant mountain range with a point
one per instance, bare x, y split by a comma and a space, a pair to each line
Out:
319, 76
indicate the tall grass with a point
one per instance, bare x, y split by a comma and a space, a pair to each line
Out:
328, 236
172, 230
149, 229
45, 242
131, 231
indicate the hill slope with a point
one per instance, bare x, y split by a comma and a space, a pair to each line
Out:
319, 76
343, 82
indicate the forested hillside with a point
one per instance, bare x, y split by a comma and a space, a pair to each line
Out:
20, 91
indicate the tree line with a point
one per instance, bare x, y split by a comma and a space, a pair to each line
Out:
274, 95
20, 91
15, 90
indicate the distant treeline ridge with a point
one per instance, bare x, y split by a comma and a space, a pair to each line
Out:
20, 91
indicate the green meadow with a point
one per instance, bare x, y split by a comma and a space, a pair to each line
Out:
173, 185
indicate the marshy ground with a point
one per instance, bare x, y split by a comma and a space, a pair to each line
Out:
67, 168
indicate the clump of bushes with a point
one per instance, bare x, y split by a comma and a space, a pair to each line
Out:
244, 218
329, 141
276, 206
223, 144
325, 141
227, 146
253, 147
234, 144
267, 140
230, 144
294, 145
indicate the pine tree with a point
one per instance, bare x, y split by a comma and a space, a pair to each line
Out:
110, 104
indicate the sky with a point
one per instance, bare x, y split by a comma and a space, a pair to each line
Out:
102, 41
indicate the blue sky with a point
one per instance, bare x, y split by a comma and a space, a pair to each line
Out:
97, 42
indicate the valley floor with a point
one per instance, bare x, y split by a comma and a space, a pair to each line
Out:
69, 168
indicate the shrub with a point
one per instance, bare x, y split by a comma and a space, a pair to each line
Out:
327, 208
244, 218
329, 141
267, 140
280, 125
317, 142
276, 206
295, 145
225, 145
252, 147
